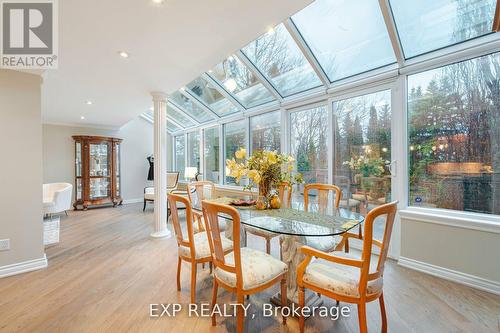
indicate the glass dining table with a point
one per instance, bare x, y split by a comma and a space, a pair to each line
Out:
295, 226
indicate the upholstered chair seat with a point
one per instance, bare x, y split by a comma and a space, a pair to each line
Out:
257, 268
341, 279
201, 246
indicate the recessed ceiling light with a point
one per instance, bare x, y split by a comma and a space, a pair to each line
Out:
123, 54
230, 58
82, 117
183, 88
88, 102
158, 2
270, 30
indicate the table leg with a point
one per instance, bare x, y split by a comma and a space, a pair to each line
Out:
291, 255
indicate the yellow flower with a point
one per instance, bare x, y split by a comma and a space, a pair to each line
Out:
290, 168
252, 174
242, 153
272, 157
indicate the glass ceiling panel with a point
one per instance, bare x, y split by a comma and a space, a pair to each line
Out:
239, 81
171, 127
347, 37
428, 25
192, 109
209, 95
179, 117
280, 60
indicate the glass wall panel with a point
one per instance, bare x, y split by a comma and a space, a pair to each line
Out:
179, 154
347, 37
212, 98
179, 117
308, 143
235, 137
238, 80
265, 131
362, 152
454, 136
427, 25
280, 60
194, 150
211, 154
189, 107
171, 127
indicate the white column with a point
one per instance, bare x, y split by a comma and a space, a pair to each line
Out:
160, 165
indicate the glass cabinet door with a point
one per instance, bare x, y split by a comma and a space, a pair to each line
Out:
78, 170
99, 160
118, 171
99, 188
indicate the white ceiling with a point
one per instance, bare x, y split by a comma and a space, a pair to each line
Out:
169, 45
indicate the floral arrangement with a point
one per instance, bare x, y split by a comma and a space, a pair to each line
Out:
368, 166
264, 168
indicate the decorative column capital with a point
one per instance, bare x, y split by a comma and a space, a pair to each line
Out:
159, 96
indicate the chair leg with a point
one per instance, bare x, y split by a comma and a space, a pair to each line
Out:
66, 212
144, 208
179, 265
301, 305
284, 300
211, 267
383, 313
346, 245
268, 246
362, 318
240, 300
214, 301
193, 282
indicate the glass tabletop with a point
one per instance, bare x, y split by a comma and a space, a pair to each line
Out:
295, 221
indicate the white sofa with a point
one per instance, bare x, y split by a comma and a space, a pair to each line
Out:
56, 198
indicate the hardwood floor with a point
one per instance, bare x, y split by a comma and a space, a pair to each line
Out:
106, 271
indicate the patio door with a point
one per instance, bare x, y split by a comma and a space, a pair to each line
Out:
363, 163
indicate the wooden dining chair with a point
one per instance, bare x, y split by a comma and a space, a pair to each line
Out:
346, 277
197, 192
244, 271
193, 248
326, 194
285, 196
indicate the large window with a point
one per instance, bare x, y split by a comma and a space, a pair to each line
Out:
280, 60
179, 152
454, 136
235, 137
347, 36
362, 154
194, 150
427, 25
308, 143
211, 154
190, 107
265, 131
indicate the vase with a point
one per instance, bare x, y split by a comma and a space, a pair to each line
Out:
265, 189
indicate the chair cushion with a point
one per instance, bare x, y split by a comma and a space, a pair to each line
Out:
201, 246
324, 243
340, 279
149, 196
257, 268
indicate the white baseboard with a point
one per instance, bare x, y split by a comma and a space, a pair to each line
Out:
23, 267
451, 275
132, 201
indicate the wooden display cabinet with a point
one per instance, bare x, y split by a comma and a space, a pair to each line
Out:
97, 171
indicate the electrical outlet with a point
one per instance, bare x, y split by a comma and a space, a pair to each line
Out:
4, 244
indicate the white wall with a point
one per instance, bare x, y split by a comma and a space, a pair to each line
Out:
20, 171
137, 145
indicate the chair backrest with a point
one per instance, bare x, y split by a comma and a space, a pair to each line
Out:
323, 196
201, 190
172, 179
285, 194
211, 213
173, 200
389, 210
